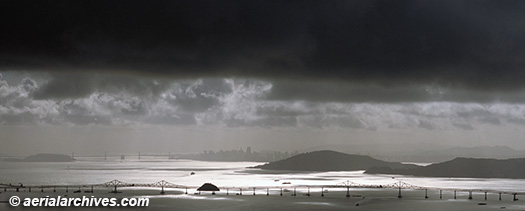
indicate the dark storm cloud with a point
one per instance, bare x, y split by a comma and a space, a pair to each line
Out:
426, 124
473, 45
73, 86
330, 91
68, 86
199, 96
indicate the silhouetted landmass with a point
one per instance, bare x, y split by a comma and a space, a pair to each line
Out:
45, 158
441, 155
328, 160
464, 167
422, 152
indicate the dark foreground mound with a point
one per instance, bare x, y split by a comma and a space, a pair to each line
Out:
464, 167
45, 158
330, 161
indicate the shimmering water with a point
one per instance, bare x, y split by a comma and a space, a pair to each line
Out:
150, 170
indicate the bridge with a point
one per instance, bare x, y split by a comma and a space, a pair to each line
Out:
115, 184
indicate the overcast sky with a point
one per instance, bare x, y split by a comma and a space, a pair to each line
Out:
179, 76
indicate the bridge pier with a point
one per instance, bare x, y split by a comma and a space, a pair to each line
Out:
162, 190
67, 189
440, 194
16, 189
294, 192
500, 196
515, 199
399, 193
454, 194
55, 189
92, 189
227, 191
347, 191
42, 189
426, 195
322, 192
254, 191
240, 191
308, 194
485, 196
267, 191
29, 189
281, 191
470, 195
186, 192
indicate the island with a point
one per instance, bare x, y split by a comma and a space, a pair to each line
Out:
328, 160
463, 167
44, 158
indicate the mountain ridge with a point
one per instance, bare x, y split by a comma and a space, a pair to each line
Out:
328, 160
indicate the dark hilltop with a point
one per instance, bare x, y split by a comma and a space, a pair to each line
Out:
328, 160
464, 167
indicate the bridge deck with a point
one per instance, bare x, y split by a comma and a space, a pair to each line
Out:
346, 184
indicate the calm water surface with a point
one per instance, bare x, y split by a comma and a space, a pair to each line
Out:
150, 170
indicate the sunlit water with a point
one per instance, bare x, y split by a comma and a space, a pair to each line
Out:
231, 174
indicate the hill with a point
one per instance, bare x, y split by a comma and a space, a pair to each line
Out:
441, 155
464, 167
328, 160
422, 152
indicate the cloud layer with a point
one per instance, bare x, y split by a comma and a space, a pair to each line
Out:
467, 45
233, 103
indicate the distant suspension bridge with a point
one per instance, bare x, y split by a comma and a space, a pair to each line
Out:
115, 184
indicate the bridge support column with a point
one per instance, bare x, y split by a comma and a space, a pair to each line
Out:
454, 194
5, 189
281, 192
426, 195
55, 189
115, 191
227, 191
42, 189
440, 194
294, 192
322, 192
485, 196
347, 191
267, 191
67, 189
515, 199
240, 191
308, 194
16, 189
29, 189
92, 189
500, 196
399, 193
186, 192
470, 195
254, 191
162, 190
